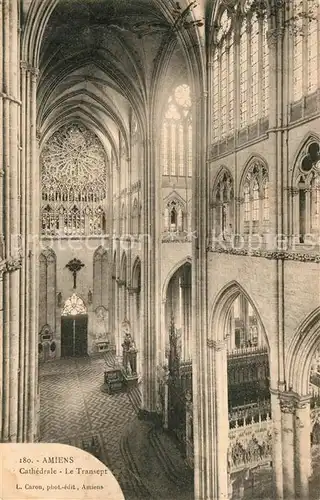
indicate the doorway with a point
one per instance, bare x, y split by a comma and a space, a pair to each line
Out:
74, 328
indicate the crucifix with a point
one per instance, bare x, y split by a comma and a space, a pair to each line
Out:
74, 266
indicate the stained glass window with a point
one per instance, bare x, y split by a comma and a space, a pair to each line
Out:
240, 49
246, 203
223, 198
255, 200
74, 305
266, 201
74, 179
243, 76
254, 68
176, 146
256, 182
306, 51
312, 55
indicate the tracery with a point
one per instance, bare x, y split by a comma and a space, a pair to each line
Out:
73, 170
176, 140
240, 54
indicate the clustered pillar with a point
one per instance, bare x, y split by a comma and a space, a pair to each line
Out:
291, 445
19, 236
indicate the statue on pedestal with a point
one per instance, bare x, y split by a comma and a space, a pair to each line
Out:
129, 351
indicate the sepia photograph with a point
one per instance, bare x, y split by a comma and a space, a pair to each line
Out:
160, 248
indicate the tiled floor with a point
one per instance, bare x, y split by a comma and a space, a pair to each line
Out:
75, 411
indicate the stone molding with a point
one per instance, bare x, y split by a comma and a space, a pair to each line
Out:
13, 264
272, 255
291, 401
217, 345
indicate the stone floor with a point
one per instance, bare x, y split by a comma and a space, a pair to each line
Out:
145, 461
74, 410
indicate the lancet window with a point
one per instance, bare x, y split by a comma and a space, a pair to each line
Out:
74, 183
176, 136
174, 216
240, 54
307, 192
305, 30
223, 205
255, 198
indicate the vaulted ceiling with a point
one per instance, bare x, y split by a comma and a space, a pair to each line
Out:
101, 59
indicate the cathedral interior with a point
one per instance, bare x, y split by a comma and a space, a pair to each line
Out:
159, 240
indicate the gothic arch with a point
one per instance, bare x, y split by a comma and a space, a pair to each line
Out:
221, 308
222, 170
47, 288
174, 269
123, 267
249, 163
300, 153
301, 351
136, 273
100, 277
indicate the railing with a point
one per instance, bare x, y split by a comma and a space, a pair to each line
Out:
250, 414
247, 351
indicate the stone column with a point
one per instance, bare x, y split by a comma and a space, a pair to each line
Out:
276, 446
287, 405
11, 106
302, 447
203, 446
148, 277
220, 391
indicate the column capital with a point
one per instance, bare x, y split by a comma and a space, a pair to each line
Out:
274, 35
291, 401
120, 282
13, 263
217, 345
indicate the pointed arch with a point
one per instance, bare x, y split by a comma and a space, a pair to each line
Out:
251, 161
174, 269
123, 268
300, 353
47, 288
100, 277
136, 274
221, 308
254, 196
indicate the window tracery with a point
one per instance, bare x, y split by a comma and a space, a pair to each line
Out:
223, 205
73, 305
240, 55
307, 203
176, 136
73, 170
174, 216
255, 198
306, 51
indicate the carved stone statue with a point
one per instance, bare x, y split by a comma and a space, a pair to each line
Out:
129, 351
59, 299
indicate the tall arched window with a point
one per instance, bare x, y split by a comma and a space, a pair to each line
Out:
47, 289
176, 136
223, 205
74, 182
305, 47
100, 278
174, 216
135, 217
255, 198
240, 55
306, 207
